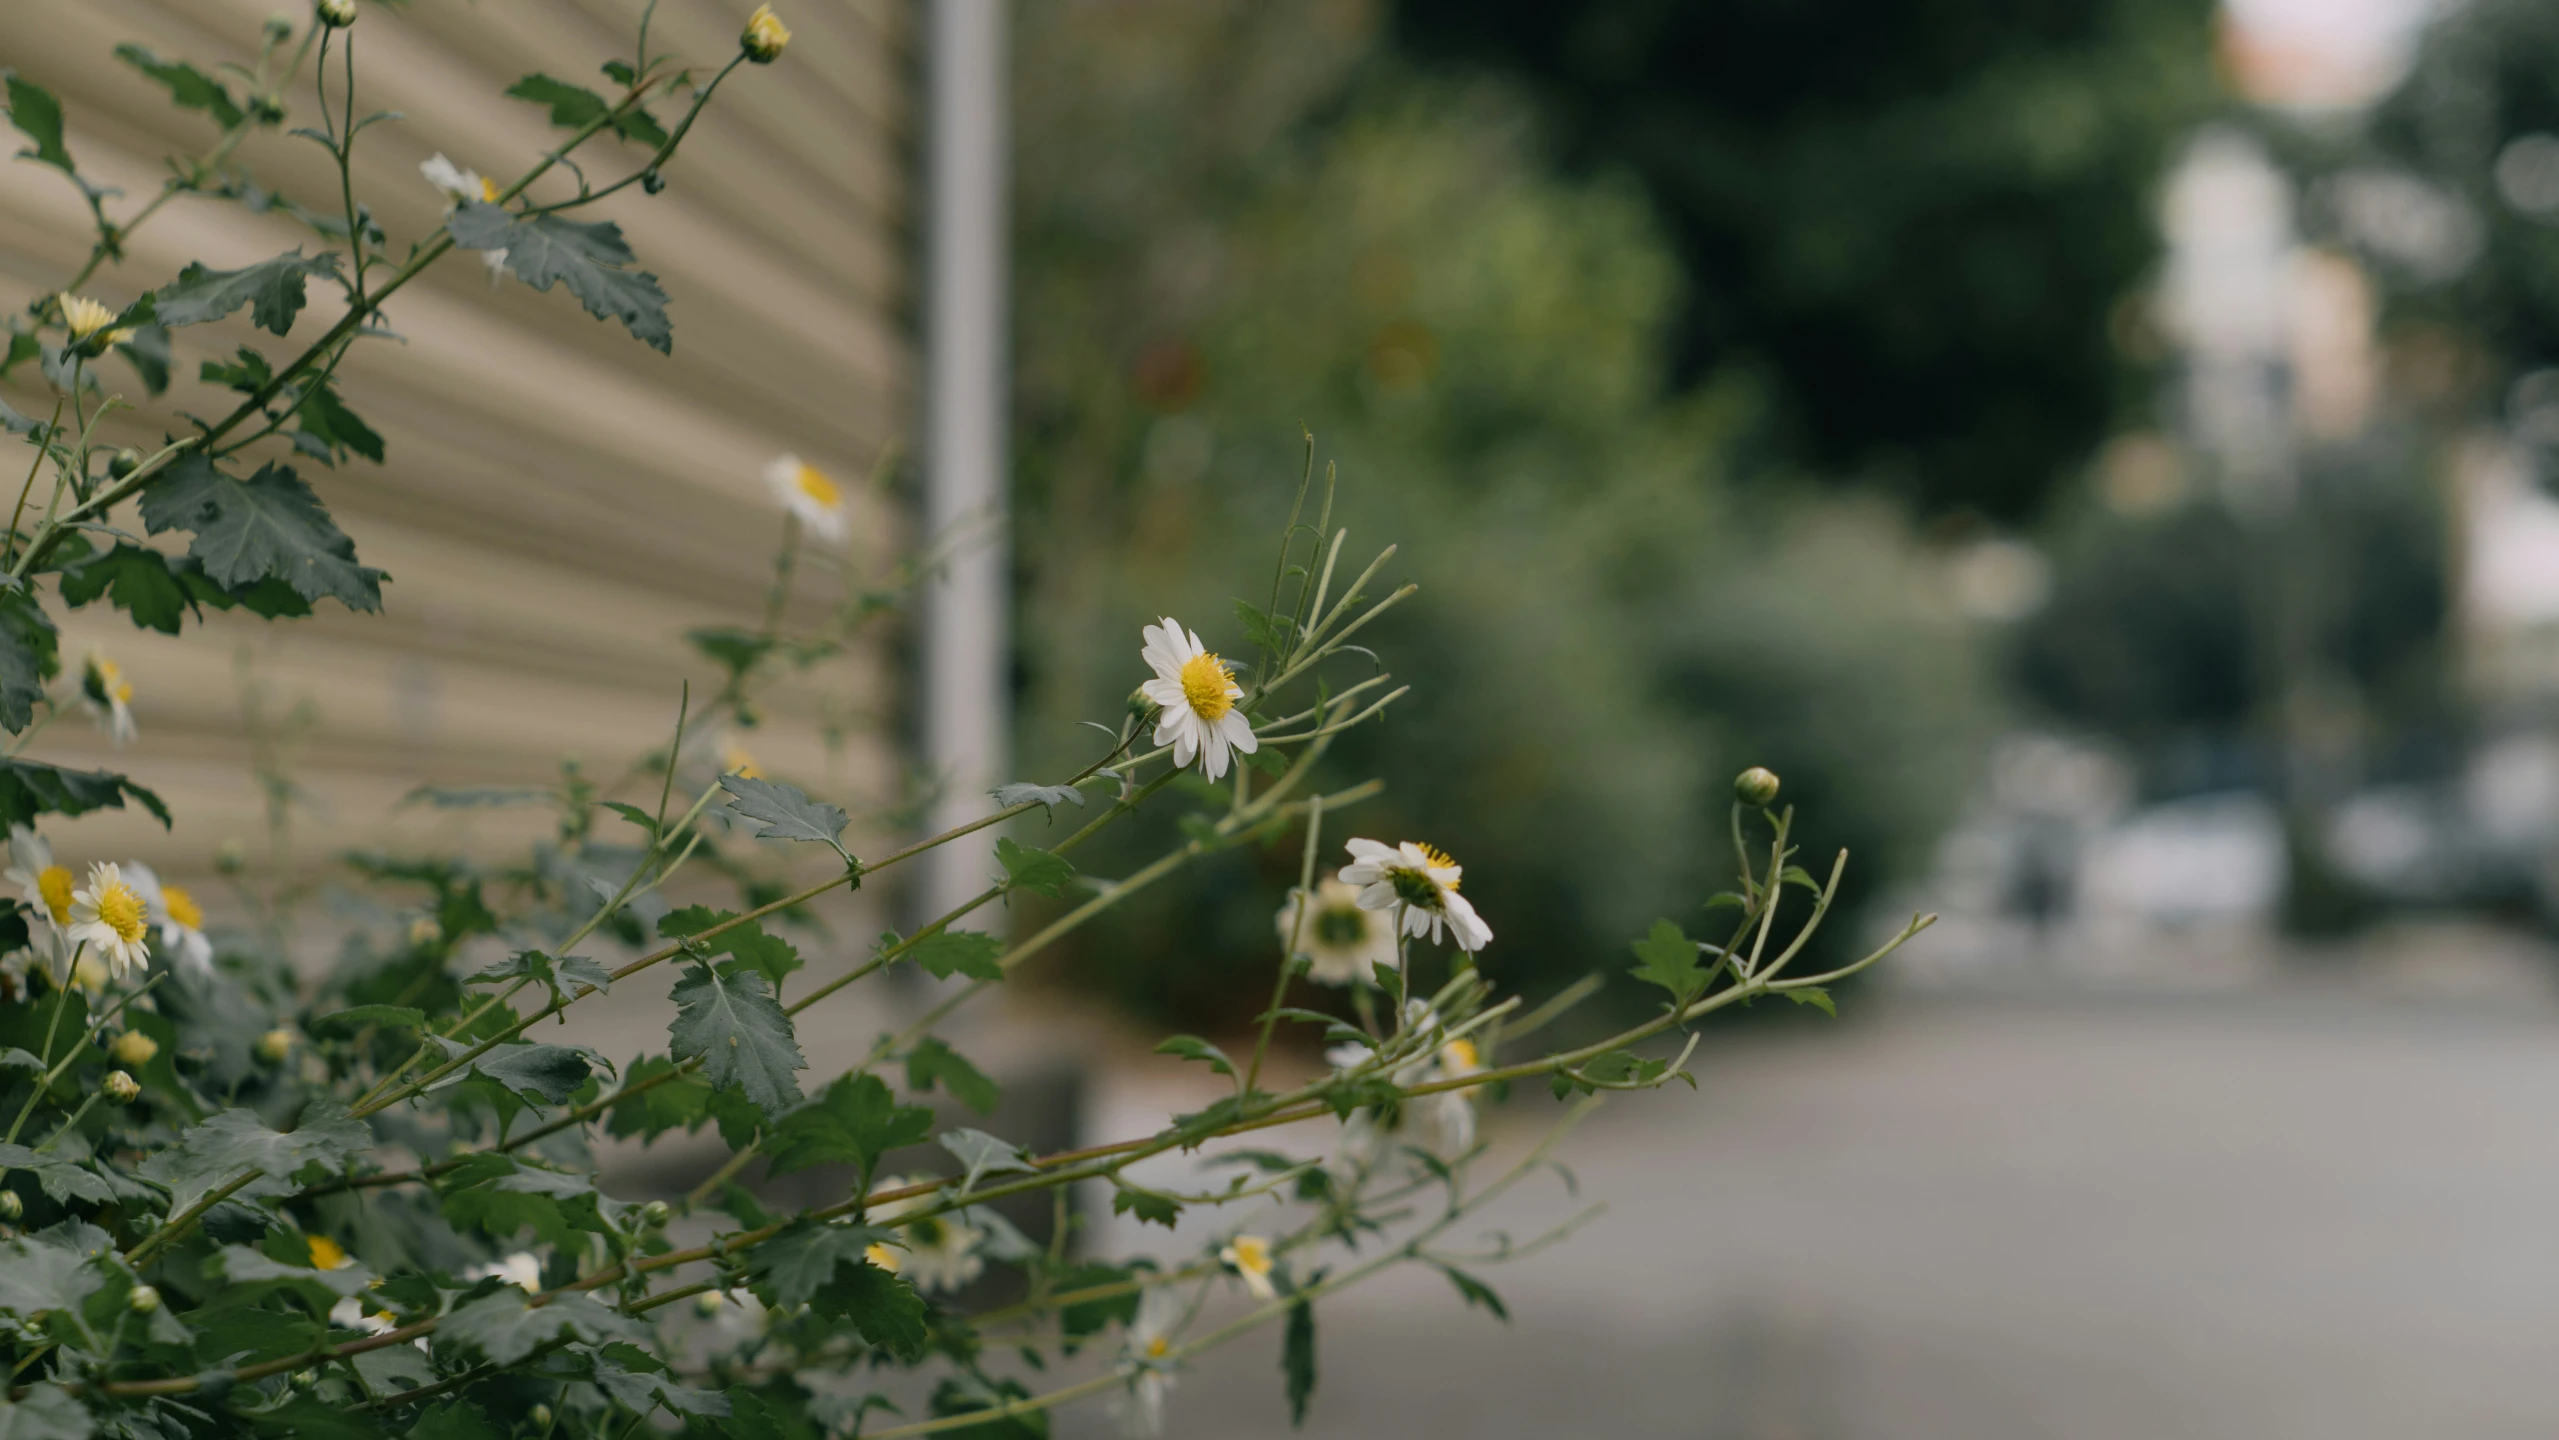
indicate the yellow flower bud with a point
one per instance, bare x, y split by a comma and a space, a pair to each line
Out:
764, 36
134, 1048
1756, 786
274, 1045
122, 1088
142, 1300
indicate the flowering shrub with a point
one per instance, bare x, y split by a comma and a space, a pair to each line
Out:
239, 1199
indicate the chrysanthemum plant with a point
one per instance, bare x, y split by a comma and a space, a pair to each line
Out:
235, 1198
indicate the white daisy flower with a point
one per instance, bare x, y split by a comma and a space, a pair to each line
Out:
46, 887
1196, 696
349, 1314
1422, 880
176, 916
109, 697
1249, 1256
810, 494
939, 1252
741, 1319
1150, 1371
459, 185
1341, 939
110, 919
522, 1269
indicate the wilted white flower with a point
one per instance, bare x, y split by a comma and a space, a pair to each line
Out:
1423, 881
109, 698
108, 917
1195, 694
522, 1269
349, 1314
934, 1252
810, 494
1341, 939
176, 916
459, 185
1148, 1363
1249, 1256
86, 317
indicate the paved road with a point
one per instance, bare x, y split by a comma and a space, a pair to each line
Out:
2251, 1217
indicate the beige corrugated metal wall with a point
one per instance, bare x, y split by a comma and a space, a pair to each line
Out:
560, 502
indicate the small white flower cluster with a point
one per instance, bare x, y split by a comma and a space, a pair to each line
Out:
100, 932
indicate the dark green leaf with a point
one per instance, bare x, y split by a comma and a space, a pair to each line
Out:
62, 1180
248, 377
1192, 1047
549, 1073
1037, 871
932, 1061
883, 1307
326, 418
29, 788
790, 1267
782, 812
453, 1419
1477, 1292
767, 954
1670, 961
143, 583
590, 258
34, 111
727, 1015
1022, 792
267, 525
191, 88
853, 1122
36, 1277
235, 1141
966, 952
1149, 1207
274, 289
682, 1103
735, 650
148, 353
505, 1328
30, 654
634, 1377
356, 1017
984, 1155
45, 1412
572, 106
1297, 1359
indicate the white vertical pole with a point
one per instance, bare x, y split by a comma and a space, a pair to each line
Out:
967, 708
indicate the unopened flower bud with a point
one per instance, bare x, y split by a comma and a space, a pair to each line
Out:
1756, 786
306, 1379
1139, 704
266, 110
231, 857
142, 1300
706, 1304
11, 1207
652, 181
279, 27
764, 36
274, 1045
123, 463
424, 931
655, 1214
337, 14
122, 1088
540, 1415
134, 1048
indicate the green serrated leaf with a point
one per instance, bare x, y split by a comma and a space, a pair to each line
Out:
983, 1155
1149, 1207
1192, 1047
273, 289
589, 258
1477, 1292
1048, 797
1670, 960
790, 1267
727, 1016
782, 812
326, 419
45, 1412
148, 353
60, 1177
572, 106
30, 654
548, 1073
932, 1061
29, 788
1038, 871
964, 952
682, 1103
267, 526
505, 1327
38, 115
854, 1122
189, 87
1815, 996
237, 1141
142, 583
884, 1308
356, 1017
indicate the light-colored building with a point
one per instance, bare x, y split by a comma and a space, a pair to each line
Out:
560, 503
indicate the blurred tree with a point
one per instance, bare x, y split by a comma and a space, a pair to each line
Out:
1237, 218
1916, 217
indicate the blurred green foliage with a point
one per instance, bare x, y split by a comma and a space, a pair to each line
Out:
1234, 219
1914, 217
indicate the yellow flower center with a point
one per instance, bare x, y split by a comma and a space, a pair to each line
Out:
1252, 1255
1205, 682
326, 1254
1437, 857
1158, 1347
883, 1257
488, 190
820, 490
1459, 1055
53, 882
120, 910
182, 907
734, 760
